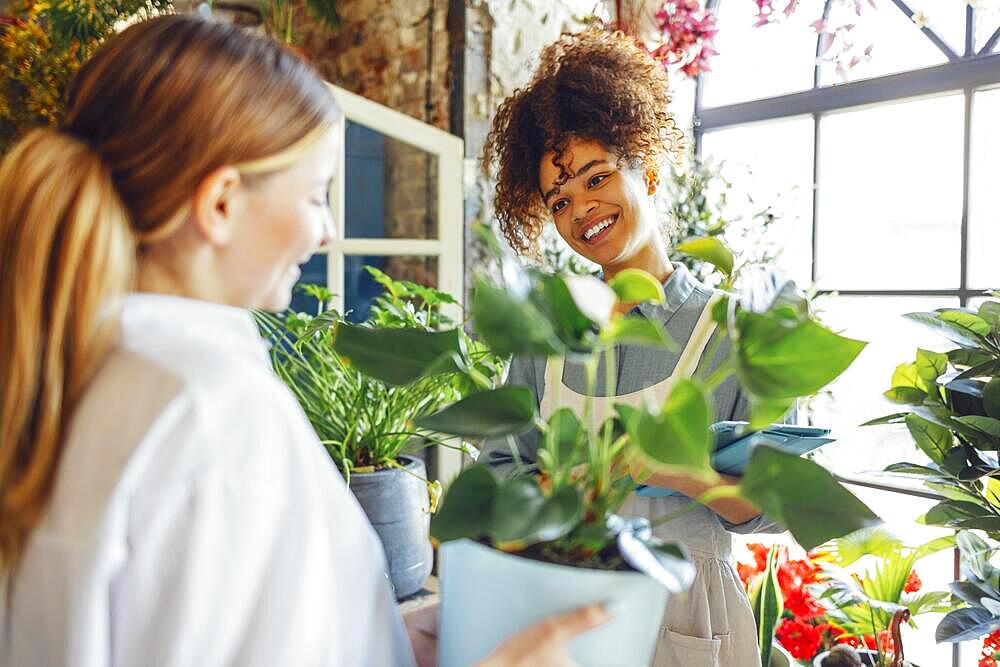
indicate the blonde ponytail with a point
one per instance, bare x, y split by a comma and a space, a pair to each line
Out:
67, 250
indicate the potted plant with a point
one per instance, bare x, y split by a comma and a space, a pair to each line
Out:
849, 591
555, 536
952, 411
367, 425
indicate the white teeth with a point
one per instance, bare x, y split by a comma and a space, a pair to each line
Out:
590, 233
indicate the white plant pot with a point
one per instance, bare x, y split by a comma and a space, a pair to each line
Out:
487, 596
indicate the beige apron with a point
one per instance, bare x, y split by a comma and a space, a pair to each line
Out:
712, 624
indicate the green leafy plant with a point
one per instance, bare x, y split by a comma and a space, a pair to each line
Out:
565, 513
42, 45
952, 412
868, 603
767, 603
363, 422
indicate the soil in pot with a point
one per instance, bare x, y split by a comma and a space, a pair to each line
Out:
398, 506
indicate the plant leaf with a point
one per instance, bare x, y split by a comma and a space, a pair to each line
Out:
803, 497
710, 250
467, 507
777, 358
508, 410
973, 323
636, 285
679, 436
397, 356
933, 440
511, 326
987, 425
523, 515
966, 625
950, 330
930, 365
991, 398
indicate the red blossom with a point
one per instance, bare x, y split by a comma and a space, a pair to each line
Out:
759, 555
987, 662
913, 583
801, 639
687, 32
794, 574
802, 605
746, 572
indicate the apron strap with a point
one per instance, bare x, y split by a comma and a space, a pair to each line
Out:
686, 365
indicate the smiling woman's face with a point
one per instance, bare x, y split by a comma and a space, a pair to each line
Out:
603, 211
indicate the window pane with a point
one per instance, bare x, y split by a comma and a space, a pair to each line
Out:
984, 195
360, 289
391, 187
890, 196
856, 396
770, 164
987, 21
314, 273
897, 43
788, 50
945, 18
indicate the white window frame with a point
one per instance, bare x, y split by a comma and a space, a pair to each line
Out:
448, 247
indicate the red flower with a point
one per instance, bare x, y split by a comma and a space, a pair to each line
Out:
802, 605
991, 643
913, 583
850, 640
759, 555
987, 662
794, 574
746, 573
801, 639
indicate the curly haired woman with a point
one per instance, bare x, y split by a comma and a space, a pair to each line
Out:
581, 146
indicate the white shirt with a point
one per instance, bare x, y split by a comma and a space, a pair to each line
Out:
196, 519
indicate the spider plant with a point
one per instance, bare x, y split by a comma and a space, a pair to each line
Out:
364, 423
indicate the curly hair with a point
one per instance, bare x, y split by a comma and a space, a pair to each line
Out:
594, 85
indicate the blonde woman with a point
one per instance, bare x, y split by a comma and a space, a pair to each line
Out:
163, 500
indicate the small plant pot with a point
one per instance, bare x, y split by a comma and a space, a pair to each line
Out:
780, 657
398, 506
488, 595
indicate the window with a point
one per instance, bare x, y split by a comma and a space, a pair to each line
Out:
397, 203
888, 197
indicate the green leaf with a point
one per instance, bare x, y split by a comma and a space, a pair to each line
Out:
906, 375
467, 508
575, 305
767, 411
989, 311
566, 433
933, 440
509, 410
930, 366
955, 513
510, 326
783, 359
991, 398
636, 331
973, 323
913, 469
767, 603
896, 418
976, 554
950, 330
987, 425
710, 250
875, 541
397, 356
966, 624
906, 395
968, 357
936, 545
636, 285
679, 436
803, 497
927, 602
523, 515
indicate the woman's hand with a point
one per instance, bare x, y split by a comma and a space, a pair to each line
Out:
422, 628
544, 643
735, 510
